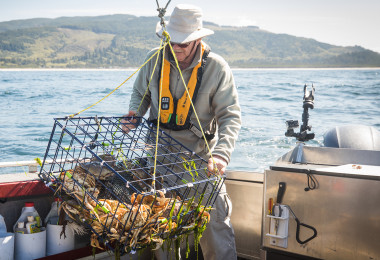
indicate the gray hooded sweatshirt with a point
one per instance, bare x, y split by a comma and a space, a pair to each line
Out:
217, 99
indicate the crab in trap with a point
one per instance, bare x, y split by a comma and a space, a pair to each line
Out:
130, 191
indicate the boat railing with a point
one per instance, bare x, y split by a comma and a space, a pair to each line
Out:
32, 166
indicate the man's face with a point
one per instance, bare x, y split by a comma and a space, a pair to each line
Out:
184, 52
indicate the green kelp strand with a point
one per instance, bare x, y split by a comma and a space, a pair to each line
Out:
187, 246
136, 162
167, 245
123, 158
184, 163
117, 252
198, 235
179, 219
192, 176
140, 253
196, 242
189, 206
171, 215
113, 134
206, 173
195, 168
187, 166
200, 202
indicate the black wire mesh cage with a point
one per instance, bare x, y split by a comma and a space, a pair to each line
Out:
133, 189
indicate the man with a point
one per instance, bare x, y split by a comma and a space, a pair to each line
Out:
216, 104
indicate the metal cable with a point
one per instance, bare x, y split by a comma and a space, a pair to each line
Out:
161, 12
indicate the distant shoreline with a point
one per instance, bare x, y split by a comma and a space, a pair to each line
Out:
134, 69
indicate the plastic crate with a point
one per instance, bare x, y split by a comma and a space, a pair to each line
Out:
110, 181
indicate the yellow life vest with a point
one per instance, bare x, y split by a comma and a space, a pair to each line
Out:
175, 114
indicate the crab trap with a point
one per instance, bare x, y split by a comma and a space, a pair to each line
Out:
133, 186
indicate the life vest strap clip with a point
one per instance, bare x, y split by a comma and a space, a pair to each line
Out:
198, 132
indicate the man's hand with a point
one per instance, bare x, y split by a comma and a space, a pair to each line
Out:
218, 166
127, 126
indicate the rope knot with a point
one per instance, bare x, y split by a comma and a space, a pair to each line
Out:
166, 35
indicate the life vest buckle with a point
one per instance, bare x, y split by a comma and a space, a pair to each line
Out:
198, 132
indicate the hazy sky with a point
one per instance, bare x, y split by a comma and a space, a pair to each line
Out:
338, 22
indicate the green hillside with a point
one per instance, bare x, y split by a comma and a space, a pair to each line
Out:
123, 41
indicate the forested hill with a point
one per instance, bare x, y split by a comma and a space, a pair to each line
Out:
123, 41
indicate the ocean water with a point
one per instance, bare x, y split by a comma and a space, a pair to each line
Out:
31, 99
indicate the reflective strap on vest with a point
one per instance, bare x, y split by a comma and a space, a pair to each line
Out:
167, 104
181, 107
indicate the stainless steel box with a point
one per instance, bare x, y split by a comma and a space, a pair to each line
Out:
344, 207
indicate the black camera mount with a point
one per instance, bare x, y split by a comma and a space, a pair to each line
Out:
308, 102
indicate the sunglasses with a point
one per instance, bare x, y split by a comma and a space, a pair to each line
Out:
181, 45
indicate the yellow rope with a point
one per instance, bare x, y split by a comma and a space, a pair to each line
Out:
73, 115
192, 105
151, 76
165, 34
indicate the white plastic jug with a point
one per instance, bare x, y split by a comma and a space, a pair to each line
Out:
27, 210
7, 241
53, 216
3, 227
